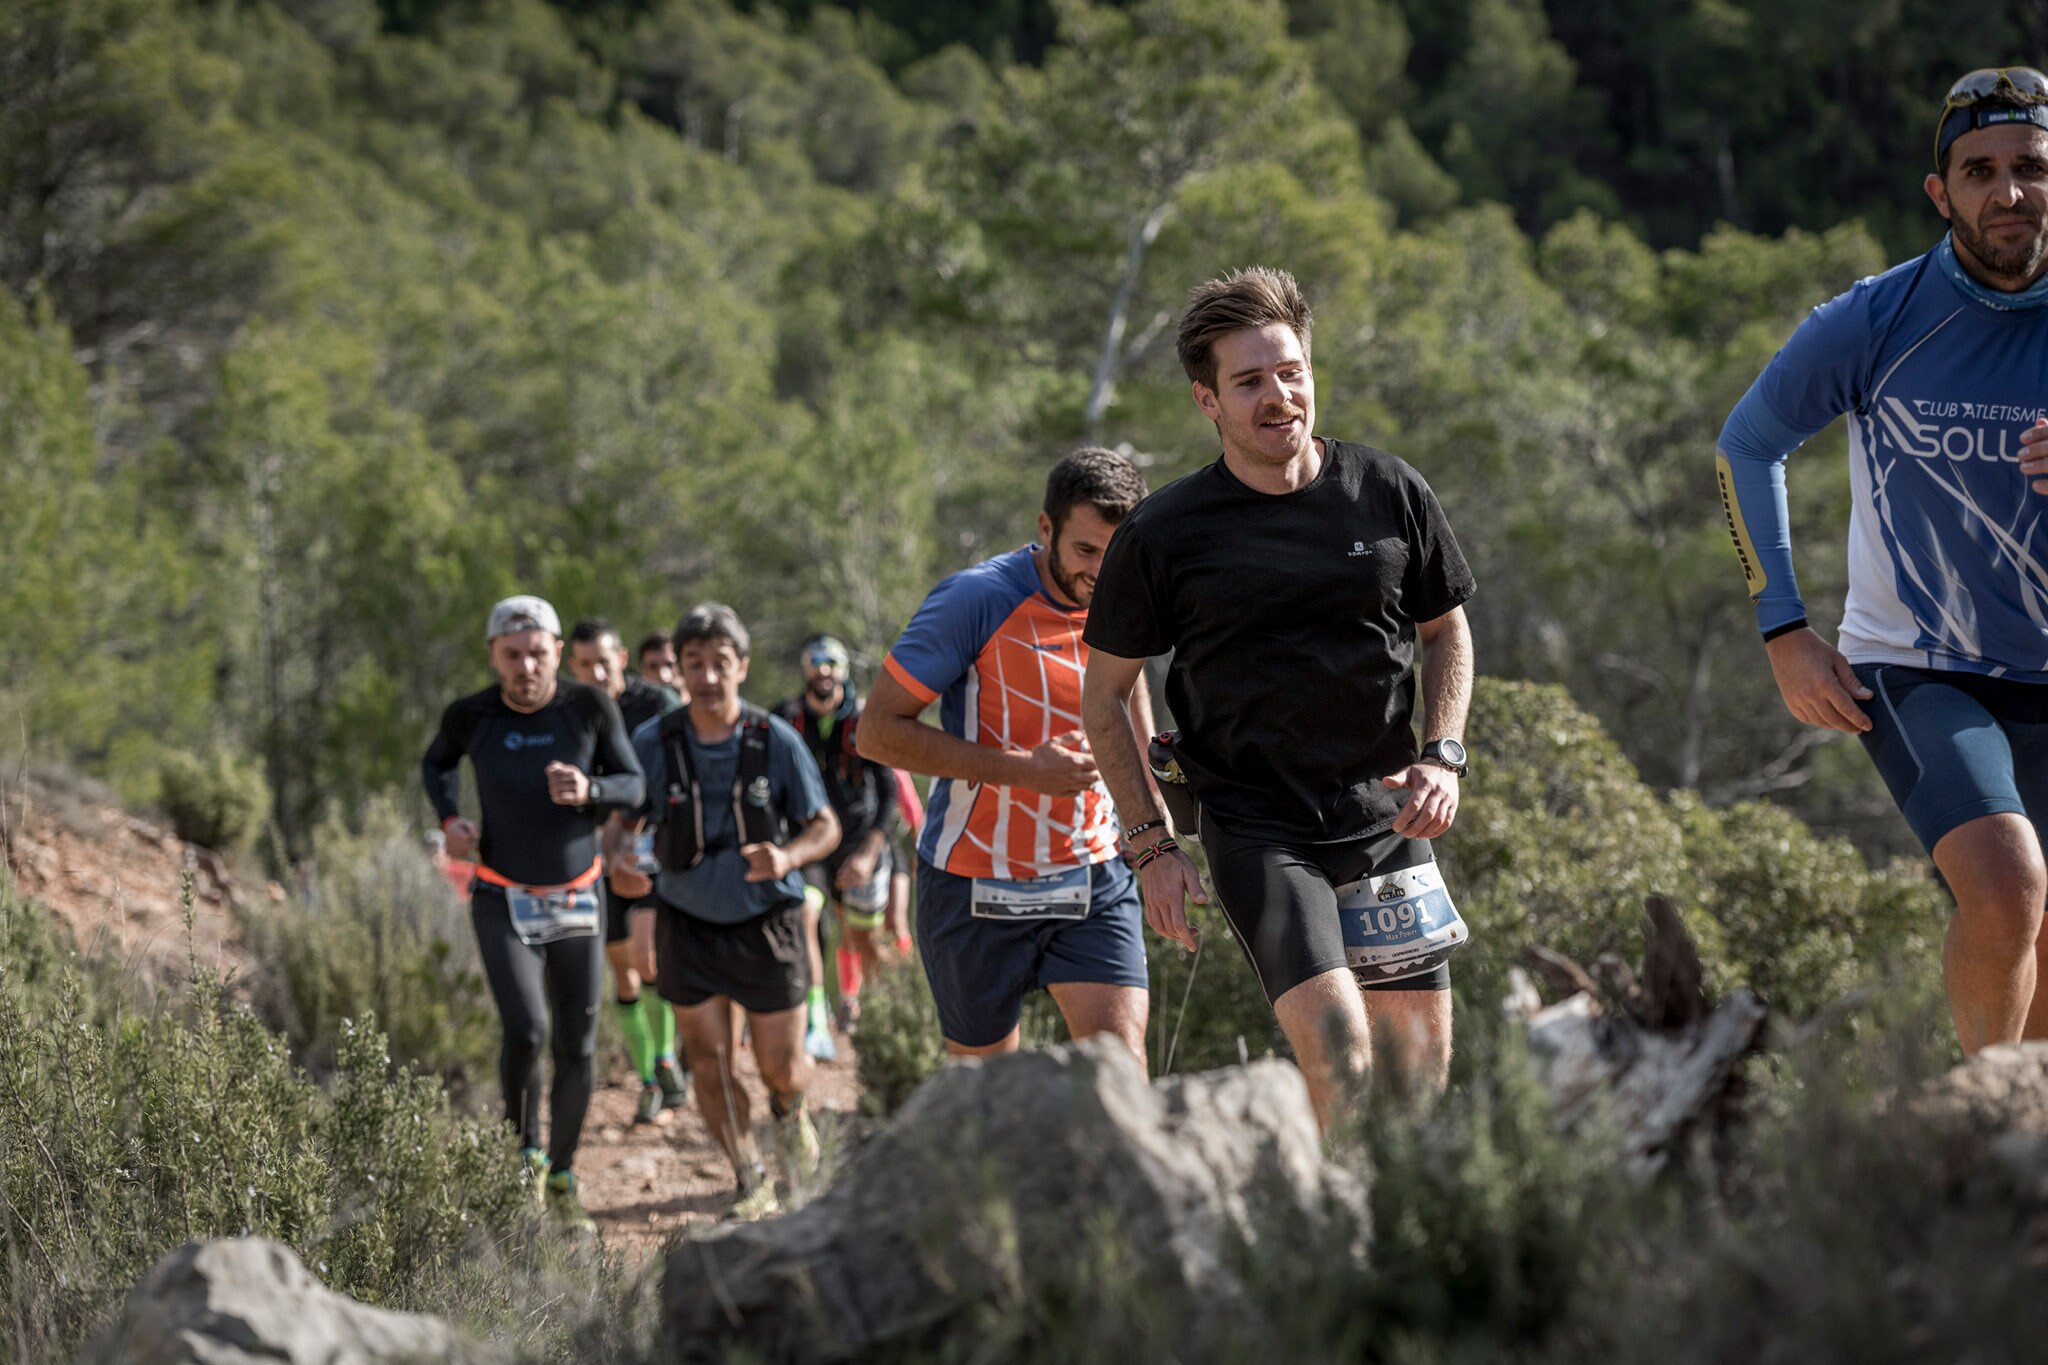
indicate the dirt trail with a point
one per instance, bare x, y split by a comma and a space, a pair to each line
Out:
644, 1184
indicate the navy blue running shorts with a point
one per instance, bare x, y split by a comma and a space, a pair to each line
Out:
1956, 746
981, 969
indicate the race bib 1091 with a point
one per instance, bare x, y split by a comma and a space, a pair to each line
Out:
1399, 924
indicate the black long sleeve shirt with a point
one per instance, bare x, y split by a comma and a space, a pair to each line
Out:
526, 836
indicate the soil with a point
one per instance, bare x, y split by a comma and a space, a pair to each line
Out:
116, 881
642, 1185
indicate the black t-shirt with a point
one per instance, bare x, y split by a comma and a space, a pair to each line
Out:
862, 791
1291, 618
526, 836
642, 701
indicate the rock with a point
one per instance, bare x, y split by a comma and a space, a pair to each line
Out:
249, 1301
1017, 1178
1991, 1117
2002, 1089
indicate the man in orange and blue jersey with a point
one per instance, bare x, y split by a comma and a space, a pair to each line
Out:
1020, 884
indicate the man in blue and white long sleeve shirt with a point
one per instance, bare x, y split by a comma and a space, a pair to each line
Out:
1941, 365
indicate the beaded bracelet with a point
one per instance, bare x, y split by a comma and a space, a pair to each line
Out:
1162, 847
1135, 830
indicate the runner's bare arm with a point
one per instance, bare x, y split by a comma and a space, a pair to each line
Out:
891, 733
1110, 697
1143, 727
1446, 698
770, 862
1446, 674
1169, 881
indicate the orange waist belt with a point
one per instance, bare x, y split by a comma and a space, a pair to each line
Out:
484, 874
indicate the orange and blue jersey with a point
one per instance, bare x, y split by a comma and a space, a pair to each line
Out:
1004, 662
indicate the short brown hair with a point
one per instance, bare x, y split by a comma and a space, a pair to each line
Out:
1101, 478
710, 622
1256, 296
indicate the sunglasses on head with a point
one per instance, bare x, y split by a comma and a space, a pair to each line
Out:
821, 661
2016, 84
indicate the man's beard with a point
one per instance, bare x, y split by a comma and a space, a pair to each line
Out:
1069, 585
2018, 262
823, 688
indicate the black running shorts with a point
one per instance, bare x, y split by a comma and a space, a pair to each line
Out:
759, 963
1281, 901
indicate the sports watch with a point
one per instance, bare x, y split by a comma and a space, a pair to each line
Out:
1447, 753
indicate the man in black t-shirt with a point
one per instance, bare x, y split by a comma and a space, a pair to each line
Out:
1291, 580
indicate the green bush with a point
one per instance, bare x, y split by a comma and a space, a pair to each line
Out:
1801, 919
124, 1134
378, 932
1558, 843
900, 1042
217, 800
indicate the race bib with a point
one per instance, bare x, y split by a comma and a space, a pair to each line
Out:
545, 916
1057, 895
1400, 924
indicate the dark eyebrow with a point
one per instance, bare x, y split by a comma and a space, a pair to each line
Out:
1255, 369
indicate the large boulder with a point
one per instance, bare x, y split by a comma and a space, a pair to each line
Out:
249, 1301
1990, 1116
1060, 1177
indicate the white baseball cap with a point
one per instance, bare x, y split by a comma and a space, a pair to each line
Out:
524, 612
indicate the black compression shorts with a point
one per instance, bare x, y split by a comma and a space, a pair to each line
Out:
1281, 901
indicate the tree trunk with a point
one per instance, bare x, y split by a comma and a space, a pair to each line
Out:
1109, 362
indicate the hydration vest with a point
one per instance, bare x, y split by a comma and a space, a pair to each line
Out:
679, 833
845, 755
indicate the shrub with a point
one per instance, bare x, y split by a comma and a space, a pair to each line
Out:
1558, 842
218, 800
378, 932
900, 1042
1798, 918
125, 1134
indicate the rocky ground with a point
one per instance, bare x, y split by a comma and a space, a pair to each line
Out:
644, 1184
115, 880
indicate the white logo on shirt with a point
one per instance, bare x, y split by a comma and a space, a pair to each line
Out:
1358, 550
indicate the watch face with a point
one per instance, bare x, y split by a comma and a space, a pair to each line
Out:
1452, 751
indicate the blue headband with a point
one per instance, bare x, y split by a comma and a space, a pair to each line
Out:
1971, 117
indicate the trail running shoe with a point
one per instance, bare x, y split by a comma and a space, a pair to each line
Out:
565, 1207
649, 1108
756, 1198
796, 1141
818, 1042
674, 1082
533, 1170
849, 1013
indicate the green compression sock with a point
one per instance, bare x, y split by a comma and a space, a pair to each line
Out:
639, 1041
661, 1022
814, 1003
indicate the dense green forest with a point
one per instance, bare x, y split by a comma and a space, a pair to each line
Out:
327, 322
